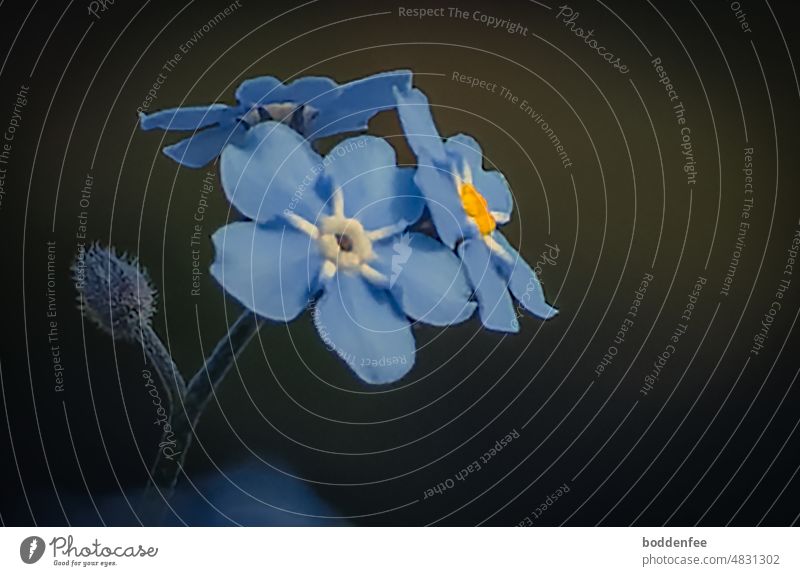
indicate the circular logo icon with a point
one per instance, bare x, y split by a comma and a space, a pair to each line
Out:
31, 550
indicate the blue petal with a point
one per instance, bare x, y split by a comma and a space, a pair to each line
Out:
418, 125
313, 90
466, 147
437, 184
203, 147
375, 190
358, 101
523, 283
426, 278
495, 306
407, 205
491, 184
270, 270
268, 89
260, 90
189, 118
362, 324
272, 171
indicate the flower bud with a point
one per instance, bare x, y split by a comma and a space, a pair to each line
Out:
114, 291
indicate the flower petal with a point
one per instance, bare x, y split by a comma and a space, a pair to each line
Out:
523, 283
314, 90
404, 206
267, 90
491, 184
259, 90
418, 125
437, 184
375, 190
426, 278
272, 171
466, 147
188, 118
203, 147
362, 324
491, 290
358, 101
272, 270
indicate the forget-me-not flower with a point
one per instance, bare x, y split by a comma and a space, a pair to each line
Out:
467, 204
332, 227
313, 106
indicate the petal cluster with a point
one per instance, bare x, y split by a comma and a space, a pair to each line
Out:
313, 106
468, 205
348, 233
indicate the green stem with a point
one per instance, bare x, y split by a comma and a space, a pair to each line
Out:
177, 439
161, 359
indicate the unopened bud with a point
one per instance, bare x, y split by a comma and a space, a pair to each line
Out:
115, 292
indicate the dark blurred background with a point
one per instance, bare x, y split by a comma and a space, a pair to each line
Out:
293, 437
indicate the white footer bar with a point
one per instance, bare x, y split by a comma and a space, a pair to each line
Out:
390, 551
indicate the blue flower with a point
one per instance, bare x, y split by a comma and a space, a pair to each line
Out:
314, 106
333, 227
467, 204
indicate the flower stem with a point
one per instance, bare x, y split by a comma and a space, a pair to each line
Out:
161, 359
178, 437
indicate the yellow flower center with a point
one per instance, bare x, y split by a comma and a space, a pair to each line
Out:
477, 208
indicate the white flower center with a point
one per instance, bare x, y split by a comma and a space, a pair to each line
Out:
343, 242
